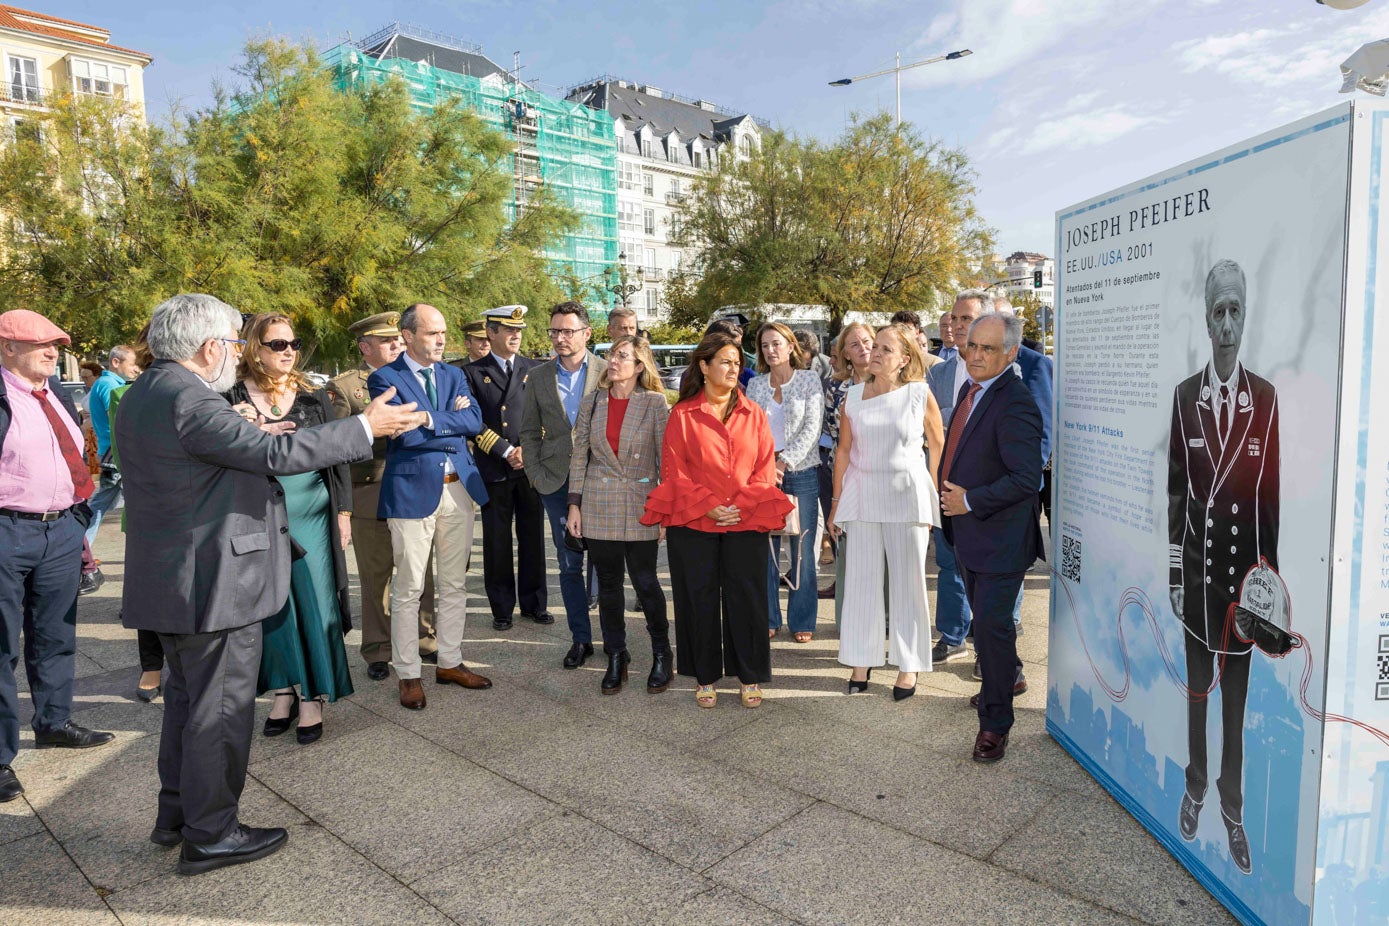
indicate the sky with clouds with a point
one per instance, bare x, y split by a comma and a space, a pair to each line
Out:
1061, 100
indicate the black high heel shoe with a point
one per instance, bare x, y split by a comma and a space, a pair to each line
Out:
859, 687
616, 676
306, 735
274, 726
902, 694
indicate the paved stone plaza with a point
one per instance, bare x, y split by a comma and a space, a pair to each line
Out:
541, 801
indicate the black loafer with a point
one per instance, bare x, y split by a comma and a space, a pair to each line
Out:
90, 582
71, 736
501, 623
1187, 817
540, 617
577, 654
148, 694
10, 788
378, 671
1239, 846
166, 838
245, 844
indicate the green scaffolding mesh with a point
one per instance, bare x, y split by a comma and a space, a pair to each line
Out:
564, 147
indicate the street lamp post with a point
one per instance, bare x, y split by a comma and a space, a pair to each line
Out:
618, 284
897, 70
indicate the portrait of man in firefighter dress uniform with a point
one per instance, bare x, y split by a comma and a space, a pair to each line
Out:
1222, 520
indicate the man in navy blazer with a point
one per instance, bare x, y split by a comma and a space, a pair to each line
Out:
425, 500
990, 471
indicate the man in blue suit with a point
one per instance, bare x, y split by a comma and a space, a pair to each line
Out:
425, 500
990, 469
946, 379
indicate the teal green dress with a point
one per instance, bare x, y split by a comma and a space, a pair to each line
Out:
303, 643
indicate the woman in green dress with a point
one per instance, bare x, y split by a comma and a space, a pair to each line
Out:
303, 645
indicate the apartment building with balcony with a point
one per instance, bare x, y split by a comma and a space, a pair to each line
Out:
664, 143
44, 57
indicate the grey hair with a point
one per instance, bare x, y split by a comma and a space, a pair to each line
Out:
120, 352
1002, 304
182, 324
1012, 328
983, 298
621, 311
1224, 268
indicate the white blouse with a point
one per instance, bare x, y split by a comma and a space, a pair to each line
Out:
803, 412
887, 480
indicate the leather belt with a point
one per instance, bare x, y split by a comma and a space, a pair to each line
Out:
35, 515
450, 477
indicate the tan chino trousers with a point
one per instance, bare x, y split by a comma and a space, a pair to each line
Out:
371, 545
449, 531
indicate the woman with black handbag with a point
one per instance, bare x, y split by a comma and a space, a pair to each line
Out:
616, 464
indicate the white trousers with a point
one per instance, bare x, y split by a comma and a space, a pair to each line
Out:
450, 530
901, 548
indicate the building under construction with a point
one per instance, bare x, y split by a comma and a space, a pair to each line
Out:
564, 147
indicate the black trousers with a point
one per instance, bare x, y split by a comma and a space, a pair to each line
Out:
991, 596
719, 582
209, 711
508, 501
39, 572
1234, 690
151, 651
607, 558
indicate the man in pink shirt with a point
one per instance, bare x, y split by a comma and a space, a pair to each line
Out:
44, 487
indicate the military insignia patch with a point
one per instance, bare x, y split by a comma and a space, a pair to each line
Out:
487, 379
518, 313
357, 394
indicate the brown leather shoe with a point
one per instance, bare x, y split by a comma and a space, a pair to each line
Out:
1019, 687
989, 746
411, 694
459, 675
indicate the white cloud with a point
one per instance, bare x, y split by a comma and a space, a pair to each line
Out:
1082, 130
1007, 33
1305, 53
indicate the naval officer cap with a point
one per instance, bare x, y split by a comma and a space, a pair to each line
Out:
508, 316
383, 325
475, 329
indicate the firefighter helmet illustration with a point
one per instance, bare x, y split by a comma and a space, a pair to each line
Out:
1263, 614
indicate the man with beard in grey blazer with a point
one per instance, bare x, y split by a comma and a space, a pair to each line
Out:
208, 558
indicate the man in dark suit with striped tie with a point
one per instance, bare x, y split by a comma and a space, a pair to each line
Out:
991, 467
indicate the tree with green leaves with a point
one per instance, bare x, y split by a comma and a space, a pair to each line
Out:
291, 195
879, 220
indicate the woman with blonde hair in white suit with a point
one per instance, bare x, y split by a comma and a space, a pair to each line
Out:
886, 489
616, 464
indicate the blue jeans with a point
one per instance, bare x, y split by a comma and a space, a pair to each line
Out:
952, 608
571, 568
802, 601
106, 496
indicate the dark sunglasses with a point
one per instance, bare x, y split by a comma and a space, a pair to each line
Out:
279, 344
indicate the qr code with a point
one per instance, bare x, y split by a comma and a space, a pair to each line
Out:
1382, 676
1070, 558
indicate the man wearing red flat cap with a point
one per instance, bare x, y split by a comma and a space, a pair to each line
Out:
44, 487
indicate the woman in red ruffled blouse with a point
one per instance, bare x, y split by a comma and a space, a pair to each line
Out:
718, 499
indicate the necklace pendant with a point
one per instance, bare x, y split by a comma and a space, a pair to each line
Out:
275, 410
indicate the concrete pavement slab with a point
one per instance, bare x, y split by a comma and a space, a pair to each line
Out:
17, 820
720, 905
681, 806
1071, 845
591, 877
406, 804
315, 880
828, 866
42, 887
885, 779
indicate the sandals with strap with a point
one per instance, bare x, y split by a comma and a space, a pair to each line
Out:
751, 695
706, 696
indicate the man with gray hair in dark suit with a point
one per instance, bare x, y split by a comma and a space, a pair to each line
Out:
208, 558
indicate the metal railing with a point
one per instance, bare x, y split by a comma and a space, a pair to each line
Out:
12, 92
